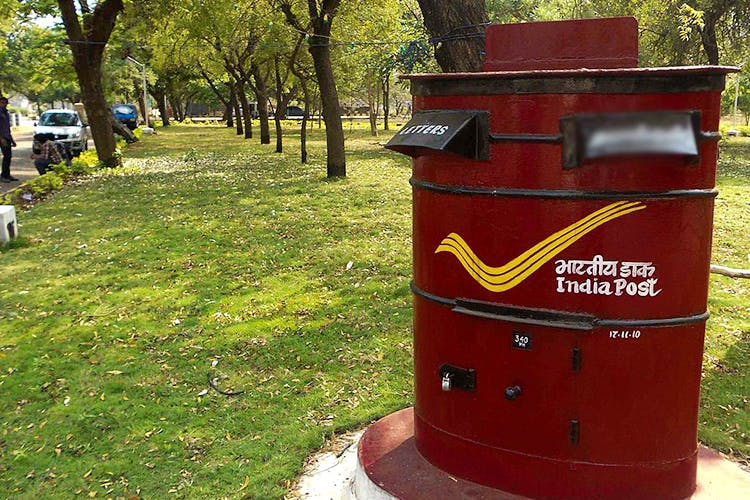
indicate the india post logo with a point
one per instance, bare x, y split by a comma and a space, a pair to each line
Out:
507, 276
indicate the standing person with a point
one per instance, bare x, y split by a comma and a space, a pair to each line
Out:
6, 140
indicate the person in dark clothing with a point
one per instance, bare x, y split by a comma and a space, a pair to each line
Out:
6, 141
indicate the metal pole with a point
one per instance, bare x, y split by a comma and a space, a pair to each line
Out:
145, 88
145, 97
736, 95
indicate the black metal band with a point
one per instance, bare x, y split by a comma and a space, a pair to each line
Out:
536, 138
561, 193
558, 138
547, 317
612, 84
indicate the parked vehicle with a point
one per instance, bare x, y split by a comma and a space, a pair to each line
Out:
294, 112
127, 114
66, 126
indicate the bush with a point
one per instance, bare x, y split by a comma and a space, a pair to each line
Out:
743, 130
64, 171
89, 157
44, 184
82, 167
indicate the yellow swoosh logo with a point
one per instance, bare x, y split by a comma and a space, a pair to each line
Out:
500, 279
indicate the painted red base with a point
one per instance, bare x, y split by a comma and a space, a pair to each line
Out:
389, 457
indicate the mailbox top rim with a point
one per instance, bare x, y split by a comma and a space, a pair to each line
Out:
579, 72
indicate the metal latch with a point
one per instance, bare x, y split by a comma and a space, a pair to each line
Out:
459, 378
512, 392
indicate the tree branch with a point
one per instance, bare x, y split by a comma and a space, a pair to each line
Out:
70, 20
730, 271
211, 84
291, 18
105, 15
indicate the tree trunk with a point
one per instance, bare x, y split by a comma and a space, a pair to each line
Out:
372, 113
87, 46
336, 158
708, 39
175, 108
247, 114
141, 102
237, 112
229, 108
457, 32
261, 94
386, 100
303, 128
98, 113
280, 106
161, 100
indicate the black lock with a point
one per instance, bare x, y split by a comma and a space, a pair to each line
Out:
512, 392
460, 378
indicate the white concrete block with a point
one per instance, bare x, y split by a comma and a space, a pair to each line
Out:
8, 224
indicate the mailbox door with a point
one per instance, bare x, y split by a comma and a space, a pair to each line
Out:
523, 395
637, 394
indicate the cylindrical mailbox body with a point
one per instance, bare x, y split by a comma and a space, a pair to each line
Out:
560, 298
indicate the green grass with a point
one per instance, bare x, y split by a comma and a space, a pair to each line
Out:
725, 408
129, 286
137, 281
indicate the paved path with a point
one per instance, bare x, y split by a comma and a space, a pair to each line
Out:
22, 166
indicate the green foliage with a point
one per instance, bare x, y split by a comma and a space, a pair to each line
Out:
79, 166
64, 171
40, 64
690, 20
44, 184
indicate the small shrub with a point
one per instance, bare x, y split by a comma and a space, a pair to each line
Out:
64, 171
89, 157
138, 133
743, 130
44, 184
82, 167
187, 121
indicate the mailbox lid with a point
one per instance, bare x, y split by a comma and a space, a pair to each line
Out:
462, 132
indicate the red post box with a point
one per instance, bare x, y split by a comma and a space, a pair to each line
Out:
562, 236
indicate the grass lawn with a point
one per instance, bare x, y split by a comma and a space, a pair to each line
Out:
215, 257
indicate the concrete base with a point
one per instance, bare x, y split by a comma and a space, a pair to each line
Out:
390, 467
8, 224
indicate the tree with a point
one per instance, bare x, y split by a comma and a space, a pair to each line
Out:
54, 79
87, 42
305, 74
320, 20
457, 32
712, 17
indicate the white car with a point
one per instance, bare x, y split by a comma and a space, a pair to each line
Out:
67, 127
